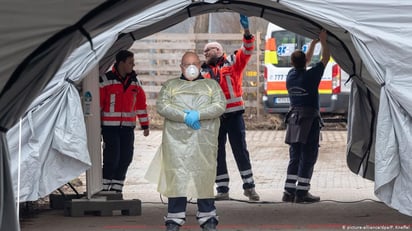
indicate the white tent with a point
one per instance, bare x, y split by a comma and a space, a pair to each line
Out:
45, 46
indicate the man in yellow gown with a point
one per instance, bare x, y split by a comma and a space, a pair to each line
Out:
185, 165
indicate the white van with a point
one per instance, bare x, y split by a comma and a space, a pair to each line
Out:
280, 43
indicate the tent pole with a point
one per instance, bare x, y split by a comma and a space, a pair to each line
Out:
91, 111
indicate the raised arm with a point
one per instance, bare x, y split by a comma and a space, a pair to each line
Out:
244, 53
309, 53
325, 48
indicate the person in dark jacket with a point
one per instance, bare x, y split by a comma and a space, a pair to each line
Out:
303, 121
122, 100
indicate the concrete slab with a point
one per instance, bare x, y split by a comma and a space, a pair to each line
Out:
240, 216
81, 207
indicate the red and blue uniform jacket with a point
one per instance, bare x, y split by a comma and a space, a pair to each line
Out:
229, 73
122, 100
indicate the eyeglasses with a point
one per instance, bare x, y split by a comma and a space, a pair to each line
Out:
210, 48
186, 65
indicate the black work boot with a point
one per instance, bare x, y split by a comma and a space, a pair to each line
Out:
251, 193
306, 198
288, 197
210, 225
171, 226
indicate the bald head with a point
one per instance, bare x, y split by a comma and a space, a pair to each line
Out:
214, 46
190, 57
213, 52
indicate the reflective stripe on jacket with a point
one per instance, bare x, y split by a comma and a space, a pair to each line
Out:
228, 72
122, 100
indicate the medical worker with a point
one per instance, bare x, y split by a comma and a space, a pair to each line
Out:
303, 121
186, 161
122, 101
227, 71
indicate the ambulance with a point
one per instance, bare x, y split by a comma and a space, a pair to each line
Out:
279, 45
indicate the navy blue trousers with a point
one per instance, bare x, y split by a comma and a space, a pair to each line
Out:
178, 205
117, 151
176, 209
302, 161
233, 127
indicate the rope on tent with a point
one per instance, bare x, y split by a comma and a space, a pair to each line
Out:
70, 81
88, 37
131, 35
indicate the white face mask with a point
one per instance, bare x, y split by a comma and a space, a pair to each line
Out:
191, 72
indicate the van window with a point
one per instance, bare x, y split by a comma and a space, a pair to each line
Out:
284, 41
287, 42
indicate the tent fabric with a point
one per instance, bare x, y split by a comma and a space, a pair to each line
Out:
30, 28
50, 41
50, 156
41, 140
79, 56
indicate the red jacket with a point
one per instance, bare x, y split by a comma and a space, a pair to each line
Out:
121, 100
229, 73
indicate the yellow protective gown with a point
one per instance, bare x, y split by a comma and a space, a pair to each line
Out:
185, 164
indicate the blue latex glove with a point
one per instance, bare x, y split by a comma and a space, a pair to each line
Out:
191, 118
196, 125
244, 21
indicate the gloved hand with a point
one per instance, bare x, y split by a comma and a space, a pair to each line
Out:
196, 125
244, 21
191, 118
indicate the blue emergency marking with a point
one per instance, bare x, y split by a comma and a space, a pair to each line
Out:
281, 50
305, 48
